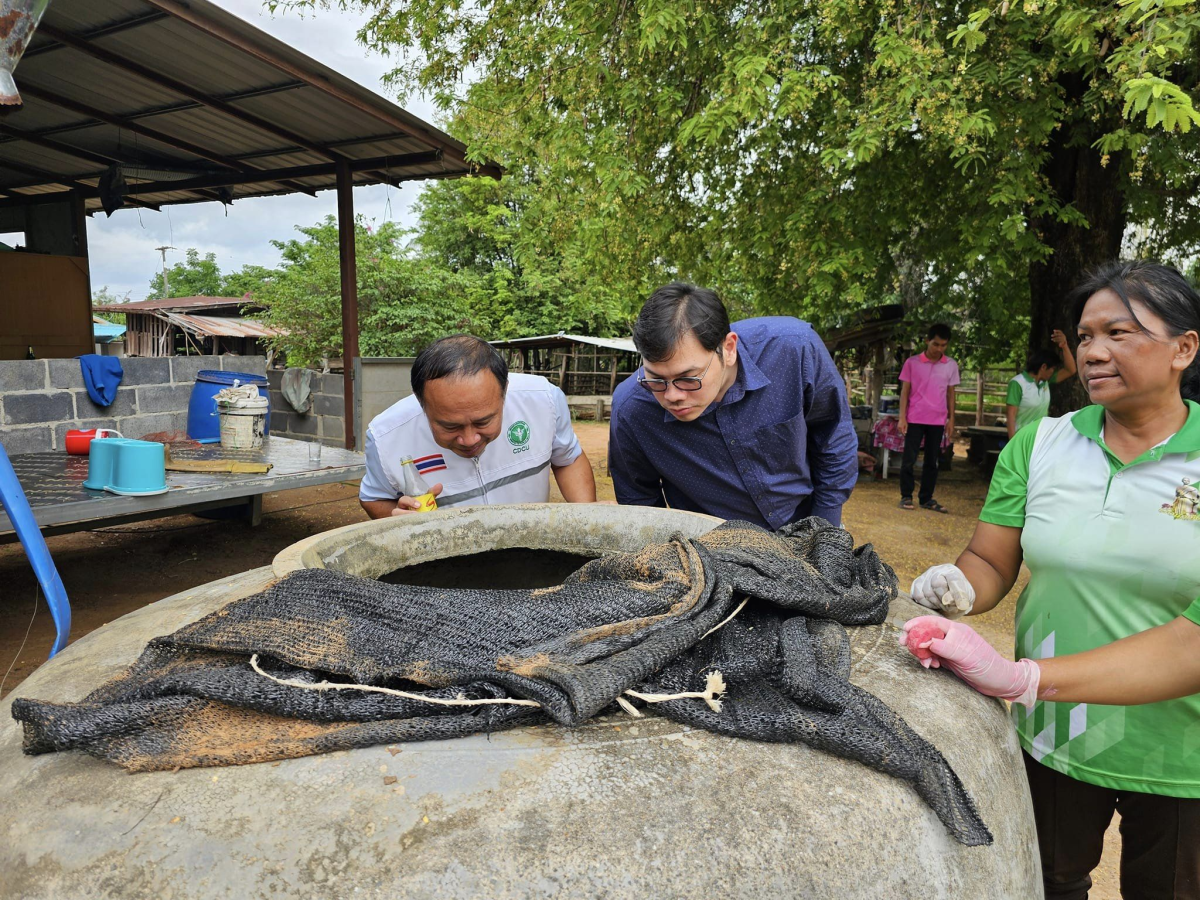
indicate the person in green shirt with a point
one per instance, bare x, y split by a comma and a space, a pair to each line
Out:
1028, 398
1103, 507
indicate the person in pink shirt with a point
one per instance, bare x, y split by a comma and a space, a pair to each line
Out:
927, 384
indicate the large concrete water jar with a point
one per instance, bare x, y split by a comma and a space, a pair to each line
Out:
619, 808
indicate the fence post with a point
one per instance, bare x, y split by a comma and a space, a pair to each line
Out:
979, 398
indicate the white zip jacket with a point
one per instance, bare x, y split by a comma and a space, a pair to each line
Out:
514, 468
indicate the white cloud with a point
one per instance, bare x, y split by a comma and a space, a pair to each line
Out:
121, 248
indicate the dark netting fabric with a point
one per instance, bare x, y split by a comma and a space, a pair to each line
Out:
629, 621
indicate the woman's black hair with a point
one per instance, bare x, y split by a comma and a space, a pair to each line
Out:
460, 355
1160, 288
673, 311
1038, 358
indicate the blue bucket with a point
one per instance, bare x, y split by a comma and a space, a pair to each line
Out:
101, 458
125, 466
203, 425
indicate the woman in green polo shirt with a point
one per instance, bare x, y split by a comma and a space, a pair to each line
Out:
1101, 505
1028, 397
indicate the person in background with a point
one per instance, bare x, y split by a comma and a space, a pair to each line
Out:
927, 383
1028, 398
746, 421
1101, 505
505, 434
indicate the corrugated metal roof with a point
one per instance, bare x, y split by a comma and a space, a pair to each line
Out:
172, 303
219, 326
562, 340
184, 86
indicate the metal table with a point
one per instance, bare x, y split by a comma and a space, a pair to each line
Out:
53, 482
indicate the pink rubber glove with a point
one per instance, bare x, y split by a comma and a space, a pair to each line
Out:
972, 659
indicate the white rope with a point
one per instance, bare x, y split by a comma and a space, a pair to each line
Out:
726, 620
629, 707
714, 686
331, 686
714, 690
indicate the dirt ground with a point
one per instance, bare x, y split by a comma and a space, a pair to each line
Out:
109, 572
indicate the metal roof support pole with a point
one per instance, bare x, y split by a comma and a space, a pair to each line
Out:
348, 259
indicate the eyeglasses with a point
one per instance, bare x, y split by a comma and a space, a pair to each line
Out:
688, 383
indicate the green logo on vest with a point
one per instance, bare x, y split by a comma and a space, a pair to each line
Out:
518, 434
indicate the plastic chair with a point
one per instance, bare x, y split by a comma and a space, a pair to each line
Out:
12, 496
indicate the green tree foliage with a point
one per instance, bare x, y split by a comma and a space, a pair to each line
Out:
484, 258
501, 258
522, 278
105, 297
246, 280
814, 158
196, 276
201, 276
403, 303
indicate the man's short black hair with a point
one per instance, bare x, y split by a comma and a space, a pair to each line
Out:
938, 331
674, 311
1039, 358
461, 355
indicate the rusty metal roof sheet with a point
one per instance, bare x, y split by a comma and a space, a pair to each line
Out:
219, 326
191, 103
173, 303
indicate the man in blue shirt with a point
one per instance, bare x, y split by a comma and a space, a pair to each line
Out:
748, 421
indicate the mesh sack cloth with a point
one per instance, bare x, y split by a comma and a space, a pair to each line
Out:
645, 622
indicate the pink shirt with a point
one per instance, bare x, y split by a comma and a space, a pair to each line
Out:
929, 382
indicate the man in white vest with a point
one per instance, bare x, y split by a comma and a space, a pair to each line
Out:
476, 434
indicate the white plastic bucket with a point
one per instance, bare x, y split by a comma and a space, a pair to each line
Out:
243, 427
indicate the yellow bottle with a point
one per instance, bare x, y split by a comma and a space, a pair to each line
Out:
416, 488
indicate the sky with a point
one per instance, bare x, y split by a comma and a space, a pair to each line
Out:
121, 248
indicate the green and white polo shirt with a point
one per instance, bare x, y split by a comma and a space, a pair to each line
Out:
1031, 398
1112, 550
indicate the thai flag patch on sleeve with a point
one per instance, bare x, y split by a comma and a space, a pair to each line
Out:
427, 464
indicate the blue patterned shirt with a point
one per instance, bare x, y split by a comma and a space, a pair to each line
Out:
779, 445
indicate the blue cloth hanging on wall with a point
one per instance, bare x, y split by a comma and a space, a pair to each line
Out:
101, 376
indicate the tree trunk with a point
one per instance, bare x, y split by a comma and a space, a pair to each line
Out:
911, 269
1074, 172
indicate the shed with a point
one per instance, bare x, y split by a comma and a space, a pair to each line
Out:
187, 325
144, 103
581, 365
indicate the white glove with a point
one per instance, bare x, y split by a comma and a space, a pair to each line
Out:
945, 590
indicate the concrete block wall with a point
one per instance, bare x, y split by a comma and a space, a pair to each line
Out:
325, 420
382, 381
41, 399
